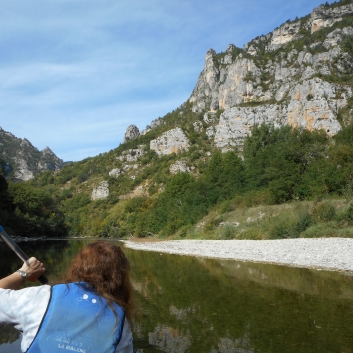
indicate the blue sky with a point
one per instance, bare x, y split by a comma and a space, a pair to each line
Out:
75, 73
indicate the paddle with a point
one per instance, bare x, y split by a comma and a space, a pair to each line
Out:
13, 246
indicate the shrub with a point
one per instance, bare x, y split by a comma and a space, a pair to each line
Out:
321, 230
212, 223
288, 226
304, 222
227, 231
325, 212
253, 233
348, 215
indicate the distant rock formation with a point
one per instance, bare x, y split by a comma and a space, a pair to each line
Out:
23, 160
179, 167
291, 76
155, 123
288, 89
131, 133
325, 17
101, 191
115, 172
172, 141
132, 155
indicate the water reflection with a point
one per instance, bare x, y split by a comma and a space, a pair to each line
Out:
201, 305
170, 339
227, 345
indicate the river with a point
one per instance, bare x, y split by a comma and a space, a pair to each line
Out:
190, 304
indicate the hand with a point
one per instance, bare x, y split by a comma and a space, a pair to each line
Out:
33, 268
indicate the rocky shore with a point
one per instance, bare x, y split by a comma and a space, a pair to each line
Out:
334, 254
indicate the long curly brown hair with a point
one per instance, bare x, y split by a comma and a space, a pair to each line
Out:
104, 266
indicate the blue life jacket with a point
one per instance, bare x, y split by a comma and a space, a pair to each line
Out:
78, 320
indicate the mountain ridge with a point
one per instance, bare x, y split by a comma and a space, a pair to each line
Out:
21, 161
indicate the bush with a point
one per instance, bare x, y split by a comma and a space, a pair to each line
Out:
227, 231
288, 226
321, 230
348, 215
212, 223
325, 212
254, 233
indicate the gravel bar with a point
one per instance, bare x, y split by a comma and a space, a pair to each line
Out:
321, 253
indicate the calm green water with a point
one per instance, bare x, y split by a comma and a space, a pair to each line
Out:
200, 305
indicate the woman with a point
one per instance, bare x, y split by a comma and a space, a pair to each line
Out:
90, 312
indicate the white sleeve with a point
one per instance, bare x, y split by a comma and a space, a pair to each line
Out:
125, 344
24, 309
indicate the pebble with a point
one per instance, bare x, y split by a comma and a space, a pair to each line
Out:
321, 253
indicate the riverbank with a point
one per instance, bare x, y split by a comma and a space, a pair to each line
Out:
320, 253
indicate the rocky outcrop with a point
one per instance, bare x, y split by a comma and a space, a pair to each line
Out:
172, 141
155, 123
284, 34
297, 86
314, 105
101, 191
324, 16
23, 171
115, 172
205, 91
179, 167
236, 123
48, 160
23, 160
132, 155
289, 88
131, 133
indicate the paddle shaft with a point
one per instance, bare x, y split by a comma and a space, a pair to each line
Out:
18, 251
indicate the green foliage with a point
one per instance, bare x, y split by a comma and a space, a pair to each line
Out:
287, 226
27, 211
76, 202
279, 159
254, 233
347, 45
325, 212
228, 231
348, 215
278, 165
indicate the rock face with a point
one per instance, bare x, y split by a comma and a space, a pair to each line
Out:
325, 17
115, 172
132, 155
20, 157
291, 76
288, 88
284, 34
236, 123
155, 123
179, 167
131, 133
172, 141
101, 191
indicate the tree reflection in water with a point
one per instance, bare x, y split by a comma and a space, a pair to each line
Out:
169, 339
198, 305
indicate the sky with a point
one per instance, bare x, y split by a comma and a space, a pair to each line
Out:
74, 74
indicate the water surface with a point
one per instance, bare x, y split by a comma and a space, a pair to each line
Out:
190, 304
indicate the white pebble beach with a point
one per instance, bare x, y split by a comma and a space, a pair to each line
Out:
320, 253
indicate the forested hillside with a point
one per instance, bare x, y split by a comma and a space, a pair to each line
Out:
267, 127
29, 212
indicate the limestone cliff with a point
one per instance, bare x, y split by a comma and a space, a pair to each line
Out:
301, 75
285, 77
172, 141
